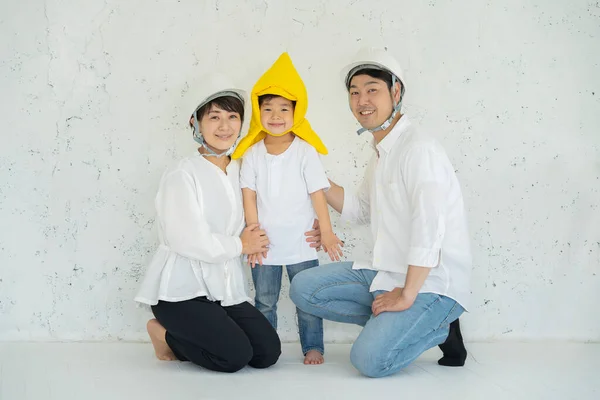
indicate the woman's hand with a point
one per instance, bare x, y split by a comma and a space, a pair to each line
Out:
254, 240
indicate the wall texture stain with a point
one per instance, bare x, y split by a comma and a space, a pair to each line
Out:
91, 95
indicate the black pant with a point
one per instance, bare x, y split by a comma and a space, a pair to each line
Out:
218, 338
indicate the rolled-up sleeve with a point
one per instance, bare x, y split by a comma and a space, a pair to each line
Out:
426, 178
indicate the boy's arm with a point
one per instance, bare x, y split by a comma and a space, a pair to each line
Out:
329, 240
250, 208
316, 184
251, 214
248, 185
319, 203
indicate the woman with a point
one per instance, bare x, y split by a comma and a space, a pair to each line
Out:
196, 283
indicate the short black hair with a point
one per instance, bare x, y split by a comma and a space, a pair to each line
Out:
268, 97
227, 103
373, 73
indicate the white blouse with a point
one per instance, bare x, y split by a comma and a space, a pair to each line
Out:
199, 219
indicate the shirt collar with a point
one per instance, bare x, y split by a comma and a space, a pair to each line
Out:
390, 139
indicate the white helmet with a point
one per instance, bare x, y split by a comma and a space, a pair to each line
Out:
203, 91
374, 58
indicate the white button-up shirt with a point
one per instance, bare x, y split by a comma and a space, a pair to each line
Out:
199, 218
412, 198
283, 184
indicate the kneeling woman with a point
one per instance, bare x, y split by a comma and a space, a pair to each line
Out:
196, 283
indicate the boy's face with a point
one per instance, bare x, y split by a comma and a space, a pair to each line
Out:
277, 115
371, 101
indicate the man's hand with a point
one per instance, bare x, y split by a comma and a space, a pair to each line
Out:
314, 237
396, 300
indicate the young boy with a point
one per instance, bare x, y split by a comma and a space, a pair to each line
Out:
283, 185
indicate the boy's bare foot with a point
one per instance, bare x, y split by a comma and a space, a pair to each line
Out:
313, 357
157, 335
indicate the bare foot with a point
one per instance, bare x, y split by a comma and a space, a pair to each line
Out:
313, 357
157, 335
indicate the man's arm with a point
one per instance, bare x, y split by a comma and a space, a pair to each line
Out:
355, 208
401, 299
426, 175
426, 178
415, 278
335, 196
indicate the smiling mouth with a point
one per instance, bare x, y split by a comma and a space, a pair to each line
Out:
366, 112
224, 137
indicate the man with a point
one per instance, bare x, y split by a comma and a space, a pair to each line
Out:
410, 293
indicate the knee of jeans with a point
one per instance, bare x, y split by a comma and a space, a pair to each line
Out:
265, 304
298, 288
366, 362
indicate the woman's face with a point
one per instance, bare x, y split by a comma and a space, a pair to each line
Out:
220, 128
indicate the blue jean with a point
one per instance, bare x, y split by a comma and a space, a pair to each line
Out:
389, 341
267, 284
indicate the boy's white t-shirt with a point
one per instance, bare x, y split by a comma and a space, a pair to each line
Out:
283, 184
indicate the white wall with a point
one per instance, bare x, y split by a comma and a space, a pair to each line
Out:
89, 100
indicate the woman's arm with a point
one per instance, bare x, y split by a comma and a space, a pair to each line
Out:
186, 230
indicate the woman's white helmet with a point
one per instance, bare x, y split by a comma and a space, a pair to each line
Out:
201, 92
374, 58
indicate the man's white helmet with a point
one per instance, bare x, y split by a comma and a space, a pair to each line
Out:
203, 91
374, 58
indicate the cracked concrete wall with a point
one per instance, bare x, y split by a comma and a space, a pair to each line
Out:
90, 93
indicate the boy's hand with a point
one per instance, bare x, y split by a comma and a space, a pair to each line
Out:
256, 258
331, 244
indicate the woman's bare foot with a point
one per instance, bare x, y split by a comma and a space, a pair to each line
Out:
157, 335
313, 357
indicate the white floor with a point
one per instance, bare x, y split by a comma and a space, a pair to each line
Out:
113, 371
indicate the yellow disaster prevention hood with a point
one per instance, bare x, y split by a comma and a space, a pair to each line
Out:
283, 80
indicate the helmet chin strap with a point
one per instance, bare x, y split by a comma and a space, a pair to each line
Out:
200, 139
395, 112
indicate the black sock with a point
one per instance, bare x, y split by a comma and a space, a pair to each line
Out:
453, 348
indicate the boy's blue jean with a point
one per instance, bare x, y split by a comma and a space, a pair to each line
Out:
267, 284
389, 341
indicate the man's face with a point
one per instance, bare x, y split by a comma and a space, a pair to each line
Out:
370, 100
